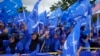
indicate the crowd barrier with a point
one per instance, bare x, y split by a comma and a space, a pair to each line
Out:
86, 53
95, 52
83, 53
38, 54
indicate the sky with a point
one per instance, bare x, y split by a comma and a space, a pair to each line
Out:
44, 4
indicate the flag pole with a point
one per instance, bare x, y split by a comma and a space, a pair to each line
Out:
24, 14
19, 16
90, 22
97, 22
38, 29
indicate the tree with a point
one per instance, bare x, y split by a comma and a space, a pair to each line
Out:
64, 4
20, 10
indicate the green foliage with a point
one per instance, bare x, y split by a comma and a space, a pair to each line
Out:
92, 1
64, 4
94, 19
20, 10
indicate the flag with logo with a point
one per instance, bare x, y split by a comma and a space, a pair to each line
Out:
70, 45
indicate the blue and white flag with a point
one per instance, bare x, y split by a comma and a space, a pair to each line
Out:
54, 17
34, 13
29, 26
70, 45
43, 18
11, 6
57, 13
68, 11
76, 10
53, 22
14, 3
17, 3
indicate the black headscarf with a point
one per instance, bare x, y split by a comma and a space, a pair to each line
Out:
12, 46
33, 43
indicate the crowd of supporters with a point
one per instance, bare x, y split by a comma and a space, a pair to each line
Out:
16, 39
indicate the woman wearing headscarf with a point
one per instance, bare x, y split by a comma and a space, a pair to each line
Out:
3, 36
32, 46
14, 46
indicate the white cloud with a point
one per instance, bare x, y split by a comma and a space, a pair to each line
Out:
44, 4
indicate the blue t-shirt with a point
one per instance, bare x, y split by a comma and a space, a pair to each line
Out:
84, 44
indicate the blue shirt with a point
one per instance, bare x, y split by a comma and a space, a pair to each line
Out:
58, 46
47, 45
19, 47
85, 44
54, 44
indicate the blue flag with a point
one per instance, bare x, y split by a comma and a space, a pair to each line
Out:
34, 13
14, 3
77, 9
87, 19
9, 9
23, 16
29, 26
70, 45
53, 19
32, 23
17, 3
64, 16
59, 12
43, 18
11, 6
68, 11
53, 22
2, 2
32, 26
